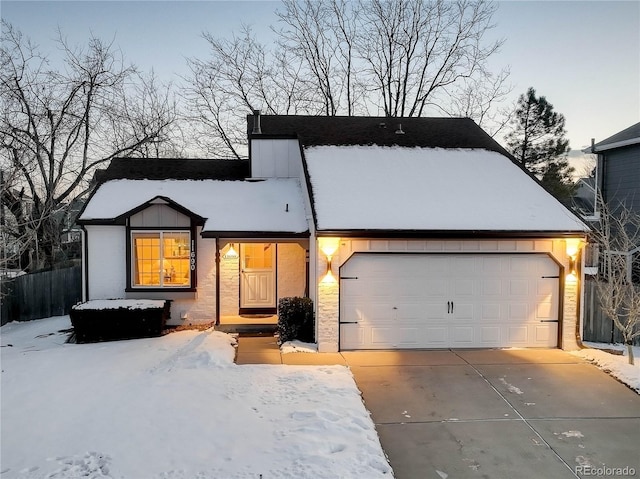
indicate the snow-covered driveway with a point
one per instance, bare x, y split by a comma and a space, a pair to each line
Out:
174, 407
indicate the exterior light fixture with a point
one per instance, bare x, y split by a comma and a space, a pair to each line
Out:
329, 246
231, 253
573, 246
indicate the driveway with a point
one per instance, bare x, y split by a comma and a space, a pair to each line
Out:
515, 414
498, 414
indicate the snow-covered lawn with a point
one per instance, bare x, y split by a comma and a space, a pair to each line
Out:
616, 365
174, 407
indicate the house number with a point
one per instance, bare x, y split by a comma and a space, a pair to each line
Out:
192, 257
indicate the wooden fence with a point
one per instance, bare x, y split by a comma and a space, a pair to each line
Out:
597, 327
40, 295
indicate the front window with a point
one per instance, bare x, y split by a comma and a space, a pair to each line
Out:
161, 259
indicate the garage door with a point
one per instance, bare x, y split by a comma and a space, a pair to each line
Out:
412, 301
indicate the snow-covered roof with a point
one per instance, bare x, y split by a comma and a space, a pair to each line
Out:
272, 205
429, 189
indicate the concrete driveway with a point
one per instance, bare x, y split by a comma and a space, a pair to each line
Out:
512, 414
499, 414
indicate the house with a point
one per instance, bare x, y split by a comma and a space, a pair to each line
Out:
618, 168
584, 197
618, 179
405, 233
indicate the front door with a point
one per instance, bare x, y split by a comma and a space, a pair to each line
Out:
257, 275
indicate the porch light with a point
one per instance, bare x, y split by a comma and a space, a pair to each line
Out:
231, 253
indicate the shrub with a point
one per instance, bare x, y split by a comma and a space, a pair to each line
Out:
295, 320
103, 320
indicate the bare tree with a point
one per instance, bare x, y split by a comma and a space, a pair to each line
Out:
59, 124
337, 57
416, 50
618, 240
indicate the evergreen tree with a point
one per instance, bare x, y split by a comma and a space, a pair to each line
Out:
537, 141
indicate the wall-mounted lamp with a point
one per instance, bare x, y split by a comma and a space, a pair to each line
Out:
231, 253
573, 246
329, 246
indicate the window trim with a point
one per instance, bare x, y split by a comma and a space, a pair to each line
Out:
131, 288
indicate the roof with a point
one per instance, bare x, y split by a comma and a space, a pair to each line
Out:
174, 168
382, 131
397, 190
626, 137
230, 208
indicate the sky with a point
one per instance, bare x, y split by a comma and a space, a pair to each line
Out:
583, 56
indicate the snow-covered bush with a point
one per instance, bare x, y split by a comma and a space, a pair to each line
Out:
295, 319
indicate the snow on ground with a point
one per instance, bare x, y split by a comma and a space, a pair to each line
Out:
617, 366
298, 347
174, 407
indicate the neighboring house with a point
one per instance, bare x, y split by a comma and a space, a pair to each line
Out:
406, 233
584, 198
618, 168
618, 178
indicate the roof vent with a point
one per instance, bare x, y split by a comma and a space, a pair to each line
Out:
256, 122
399, 131
382, 125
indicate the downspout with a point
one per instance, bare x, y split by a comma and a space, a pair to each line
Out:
217, 281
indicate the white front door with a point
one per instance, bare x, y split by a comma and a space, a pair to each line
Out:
257, 275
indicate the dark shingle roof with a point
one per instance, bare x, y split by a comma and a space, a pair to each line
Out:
176, 169
624, 136
351, 130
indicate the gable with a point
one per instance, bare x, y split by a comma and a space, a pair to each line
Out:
159, 215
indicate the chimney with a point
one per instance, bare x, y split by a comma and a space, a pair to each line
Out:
256, 122
593, 144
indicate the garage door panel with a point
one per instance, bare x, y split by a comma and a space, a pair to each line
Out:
499, 300
436, 336
519, 287
435, 311
544, 311
463, 311
491, 312
462, 336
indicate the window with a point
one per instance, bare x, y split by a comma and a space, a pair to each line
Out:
161, 259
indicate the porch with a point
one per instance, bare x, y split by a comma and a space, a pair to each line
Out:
253, 276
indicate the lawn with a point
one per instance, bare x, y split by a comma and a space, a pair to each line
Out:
174, 407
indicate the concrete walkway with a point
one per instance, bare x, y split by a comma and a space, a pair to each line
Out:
487, 413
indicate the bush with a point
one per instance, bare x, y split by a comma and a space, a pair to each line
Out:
295, 320
104, 320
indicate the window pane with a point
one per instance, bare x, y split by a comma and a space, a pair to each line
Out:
146, 252
176, 250
257, 255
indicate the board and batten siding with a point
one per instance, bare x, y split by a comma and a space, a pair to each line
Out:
622, 177
328, 300
275, 158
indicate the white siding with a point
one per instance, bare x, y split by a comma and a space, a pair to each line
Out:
106, 261
275, 158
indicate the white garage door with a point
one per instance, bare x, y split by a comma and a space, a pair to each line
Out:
412, 301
